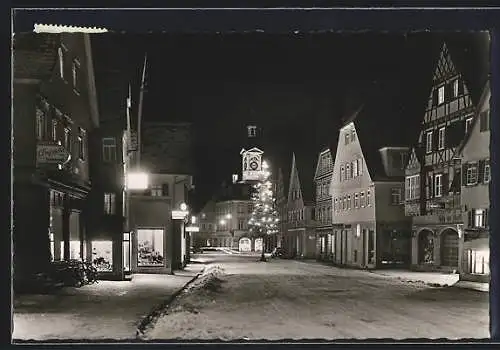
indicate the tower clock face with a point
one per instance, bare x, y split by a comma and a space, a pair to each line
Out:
254, 163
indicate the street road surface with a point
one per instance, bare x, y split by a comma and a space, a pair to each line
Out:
287, 299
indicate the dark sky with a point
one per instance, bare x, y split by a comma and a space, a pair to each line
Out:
296, 87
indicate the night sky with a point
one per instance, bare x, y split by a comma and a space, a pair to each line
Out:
296, 87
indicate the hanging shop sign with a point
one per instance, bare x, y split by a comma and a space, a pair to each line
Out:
179, 214
51, 153
192, 229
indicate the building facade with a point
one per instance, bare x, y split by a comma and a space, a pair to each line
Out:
370, 229
207, 225
281, 203
232, 225
323, 211
433, 173
300, 239
476, 175
55, 109
158, 212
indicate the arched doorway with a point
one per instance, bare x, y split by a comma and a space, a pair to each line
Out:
449, 248
244, 244
425, 247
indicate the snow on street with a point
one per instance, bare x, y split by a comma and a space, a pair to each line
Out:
286, 299
106, 310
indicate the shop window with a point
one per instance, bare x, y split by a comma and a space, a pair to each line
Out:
102, 255
150, 247
74, 250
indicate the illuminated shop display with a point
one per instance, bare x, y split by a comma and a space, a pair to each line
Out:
102, 255
150, 249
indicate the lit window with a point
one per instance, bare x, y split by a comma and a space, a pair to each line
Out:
468, 124
480, 218
150, 251
441, 95
109, 149
76, 75
429, 142
102, 255
109, 203
441, 138
438, 185
487, 173
471, 174
156, 191
455, 88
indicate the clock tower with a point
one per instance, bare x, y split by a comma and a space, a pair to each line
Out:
251, 156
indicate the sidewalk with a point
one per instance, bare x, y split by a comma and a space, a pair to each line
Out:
106, 310
437, 279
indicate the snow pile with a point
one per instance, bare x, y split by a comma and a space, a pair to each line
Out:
285, 300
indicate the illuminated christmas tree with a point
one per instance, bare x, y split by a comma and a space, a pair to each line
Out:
264, 218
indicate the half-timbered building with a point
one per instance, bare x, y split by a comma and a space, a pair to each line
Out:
433, 173
322, 178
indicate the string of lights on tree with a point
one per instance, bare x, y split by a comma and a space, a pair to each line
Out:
264, 218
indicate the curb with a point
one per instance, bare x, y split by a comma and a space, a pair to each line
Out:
155, 314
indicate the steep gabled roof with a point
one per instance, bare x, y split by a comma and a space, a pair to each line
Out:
380, 122
305, 165
486, 92
35, 55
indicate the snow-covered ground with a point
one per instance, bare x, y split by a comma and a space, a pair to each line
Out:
283, 299
106, 310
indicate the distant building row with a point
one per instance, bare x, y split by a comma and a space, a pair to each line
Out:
378, 199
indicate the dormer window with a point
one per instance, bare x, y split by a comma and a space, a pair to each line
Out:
252, 130
441, 95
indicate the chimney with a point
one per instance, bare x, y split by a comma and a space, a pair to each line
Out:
235, 178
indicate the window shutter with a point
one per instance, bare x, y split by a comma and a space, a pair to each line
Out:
470, 217
464, 174
445, 182
430, 189
434, 97
480, 172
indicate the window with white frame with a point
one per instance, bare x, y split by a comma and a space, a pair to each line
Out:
76, 75
40, 124
441, 136
252, 130
336, 204
81, 143
156, 190
355, 168
362, 199
109, 203
480, 218
109, 149
349, 202
55, 127
396, 195
360, 166
468, 124
348, 171
344, 203
342, 173
441, 95
429, 142
368, 198
455, 88
438, 185
487, 173
67, 139
412, 187
471, 174
356, 200
353, 135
